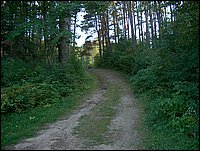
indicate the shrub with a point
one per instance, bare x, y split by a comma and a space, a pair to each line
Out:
42, 86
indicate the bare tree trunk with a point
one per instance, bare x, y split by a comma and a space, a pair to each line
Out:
154, 18
159, 22
174, 8
99, 37
114, 23
62, 43
151, 22
124, 19
134, 21
141, 24
107, 31
127, 20
105, 34
147, 24
138, 20
165, 9
117, 21
34, 16
170, 6
165, 17
131, 22
68, 38
45, 32
74, 38
114, 20
103, 37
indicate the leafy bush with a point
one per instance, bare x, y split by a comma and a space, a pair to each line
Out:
172, 93
42, 86
167, 77
119, 58
14, 72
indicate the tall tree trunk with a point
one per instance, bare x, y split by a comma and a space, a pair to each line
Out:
135, 27
103, 36
99, 37
34, 16
131, 22
171, 11
159, 22
114, 23
165, 9
62, 43
165, 17
68, 38
45, 32
117, 21
138, 20
151, 23
127, 20
147, 24
154, 18
107, 31
124, 19
74, 38
174, 8
141, 24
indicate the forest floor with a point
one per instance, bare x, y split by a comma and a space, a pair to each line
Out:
109, 119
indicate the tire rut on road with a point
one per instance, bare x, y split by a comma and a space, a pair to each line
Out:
122, 129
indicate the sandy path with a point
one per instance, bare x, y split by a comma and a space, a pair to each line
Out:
123, 128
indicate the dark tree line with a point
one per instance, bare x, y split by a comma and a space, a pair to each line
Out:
141, 21
38, 28
155, 42
44, 27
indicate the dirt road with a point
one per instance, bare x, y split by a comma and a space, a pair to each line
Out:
122, 129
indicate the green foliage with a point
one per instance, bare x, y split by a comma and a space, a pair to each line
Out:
97, 62
171, 87
167, 77
118, 59
17, 126
24, 87
14, 72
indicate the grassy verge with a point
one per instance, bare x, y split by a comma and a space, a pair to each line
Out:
161, 137
15, 126
93, 127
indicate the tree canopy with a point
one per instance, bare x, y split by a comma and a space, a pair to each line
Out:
155, 42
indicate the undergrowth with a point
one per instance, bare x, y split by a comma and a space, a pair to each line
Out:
33, 96
166, 78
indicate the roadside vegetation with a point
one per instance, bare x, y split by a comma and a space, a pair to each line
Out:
166, 79
31, 97
156, 43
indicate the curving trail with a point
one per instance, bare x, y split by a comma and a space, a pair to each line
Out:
123, 128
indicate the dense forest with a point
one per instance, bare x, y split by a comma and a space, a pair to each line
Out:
155, 43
